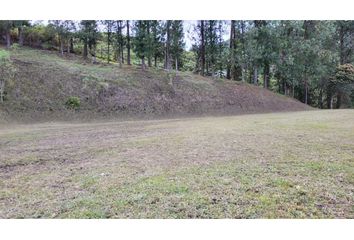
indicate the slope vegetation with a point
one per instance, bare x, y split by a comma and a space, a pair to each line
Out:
45, 81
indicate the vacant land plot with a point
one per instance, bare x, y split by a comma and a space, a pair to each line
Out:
282, 165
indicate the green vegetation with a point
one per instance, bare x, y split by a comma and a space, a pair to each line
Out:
73, 103
212, 167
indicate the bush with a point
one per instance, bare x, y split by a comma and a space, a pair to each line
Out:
15, 46
73, 103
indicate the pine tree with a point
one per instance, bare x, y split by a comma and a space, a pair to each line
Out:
141, 41
119, 41
157, 40
168, 45
128, 42
109, 28
89, 36
177, 42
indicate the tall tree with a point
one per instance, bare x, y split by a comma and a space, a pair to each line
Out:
141, 41
231, 47
89, 36
157, 38
20, 24
202, 47
345, 31
168, 45
5, 27
109, 28
119, 43
128, 42
177, 42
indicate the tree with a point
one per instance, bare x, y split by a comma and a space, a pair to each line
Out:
168, 45
345, 31
202, 47
109, 28
141, 41
234, 68
119, 43
221, 59
211, 46
128, 42
266, 48
177, 42
5, 27
89, 36
157, 31
20, 24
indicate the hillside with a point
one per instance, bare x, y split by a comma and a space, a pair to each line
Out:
45, 81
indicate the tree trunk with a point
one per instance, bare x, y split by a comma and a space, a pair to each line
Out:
243, 72
329, 97
119, 59
93, 53
255, 75
167, 50
339, 99
306, 92
233, 70
149, 61
266, 76
121, 56
149, 44
155, 61
8, 39
128, 43
228, 71
85, 53
283, 86
71, 45
108, 45
143, 63
202, 52
176, 63
68, 48
20, 35
320, 99
341, 46
61, 46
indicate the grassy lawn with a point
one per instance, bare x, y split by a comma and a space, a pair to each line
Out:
281, 165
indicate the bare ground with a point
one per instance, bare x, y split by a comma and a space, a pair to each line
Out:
280, 165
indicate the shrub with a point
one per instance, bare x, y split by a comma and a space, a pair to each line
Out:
15, 46
73, 103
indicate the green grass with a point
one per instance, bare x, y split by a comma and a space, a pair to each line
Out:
281, 165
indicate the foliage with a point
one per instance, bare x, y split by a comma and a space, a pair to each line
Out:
344, 74
73, 103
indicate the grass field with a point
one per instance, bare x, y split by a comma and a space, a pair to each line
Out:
281, 165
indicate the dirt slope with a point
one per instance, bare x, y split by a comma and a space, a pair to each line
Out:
44, 82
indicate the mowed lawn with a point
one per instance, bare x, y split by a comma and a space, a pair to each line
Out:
279, 165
